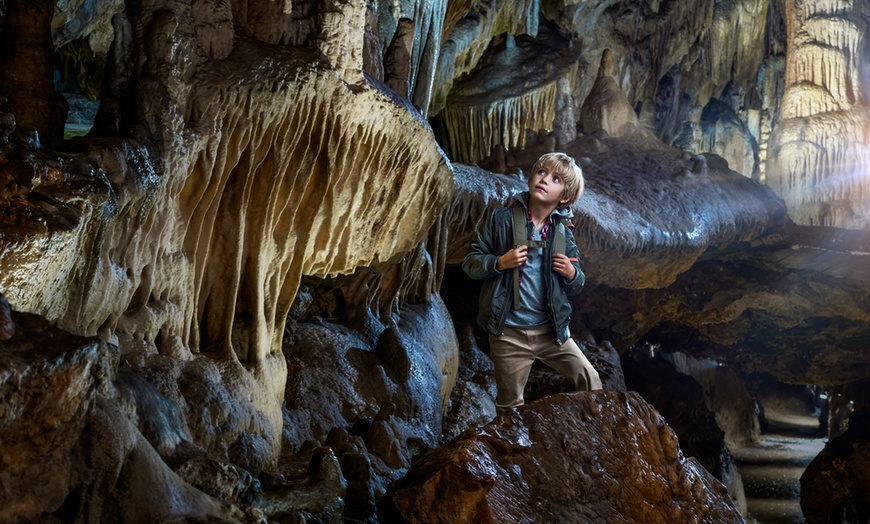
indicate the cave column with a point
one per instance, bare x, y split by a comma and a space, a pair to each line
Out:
28, 72
814, 163
342, 35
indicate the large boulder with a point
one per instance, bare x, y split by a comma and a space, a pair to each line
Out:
603, 456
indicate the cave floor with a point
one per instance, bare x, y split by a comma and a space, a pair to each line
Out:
771, 469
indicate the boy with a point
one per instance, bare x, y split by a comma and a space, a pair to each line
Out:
533, 323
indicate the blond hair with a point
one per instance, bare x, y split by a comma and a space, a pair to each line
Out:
564, 166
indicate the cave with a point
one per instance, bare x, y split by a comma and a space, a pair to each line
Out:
231, 245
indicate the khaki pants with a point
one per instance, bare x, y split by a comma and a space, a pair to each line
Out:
514, 352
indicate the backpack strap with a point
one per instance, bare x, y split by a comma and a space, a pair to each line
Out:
518, 218
559, 239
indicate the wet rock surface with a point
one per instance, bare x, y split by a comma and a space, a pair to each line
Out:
49, 380
240, 149
570, 455
836, 485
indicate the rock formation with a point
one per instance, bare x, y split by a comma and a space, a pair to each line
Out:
568, 455
817, 153
607, 108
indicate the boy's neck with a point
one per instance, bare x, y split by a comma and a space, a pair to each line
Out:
540, 213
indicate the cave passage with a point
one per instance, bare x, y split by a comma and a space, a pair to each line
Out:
771, 469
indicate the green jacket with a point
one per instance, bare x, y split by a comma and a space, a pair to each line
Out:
494, 238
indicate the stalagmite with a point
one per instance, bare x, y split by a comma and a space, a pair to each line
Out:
607, 108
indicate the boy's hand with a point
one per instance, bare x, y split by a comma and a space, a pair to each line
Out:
563, 266
513, 258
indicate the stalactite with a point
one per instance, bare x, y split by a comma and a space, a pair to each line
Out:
465, 42
475, 130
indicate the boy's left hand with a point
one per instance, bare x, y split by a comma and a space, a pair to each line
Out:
563, 266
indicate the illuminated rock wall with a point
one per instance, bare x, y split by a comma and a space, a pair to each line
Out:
244, 166
819, 157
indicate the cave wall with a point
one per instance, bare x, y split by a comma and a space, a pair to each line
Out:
223, 166
254, 159
774, 87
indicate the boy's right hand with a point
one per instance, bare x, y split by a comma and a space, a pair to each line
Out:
513, 258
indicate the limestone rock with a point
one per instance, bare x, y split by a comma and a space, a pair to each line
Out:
680, 399
220, 480
469, 27
66, 431
182, 199
7, 326
823, 116
49, 381
595, 456
397, 58
515, 88
232, 413
478, 192
126, 479
724, 133
726, 395
836, 485
319, 493
78, 19
607, 108
796, 310
27, 80
345, 382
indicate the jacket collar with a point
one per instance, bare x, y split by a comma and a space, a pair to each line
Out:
522, 199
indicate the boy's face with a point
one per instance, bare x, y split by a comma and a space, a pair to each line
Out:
546, 188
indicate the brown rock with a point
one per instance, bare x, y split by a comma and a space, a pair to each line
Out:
583, 457
7, 326
607, 107
836, 485
48, 382
397, 58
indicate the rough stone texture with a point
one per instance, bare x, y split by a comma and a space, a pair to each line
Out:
316, 494
726, 395
835, 488
27, 73
224, 167
349, 381
469, 27
196, 185
397, 58
7, 326
709, 76
478, 192
818, 142
607, 108
70, 448
83, 19
429, 18
48, 381
517, 90
797, 310
570, 455
723, 132
680, 399
200, 247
